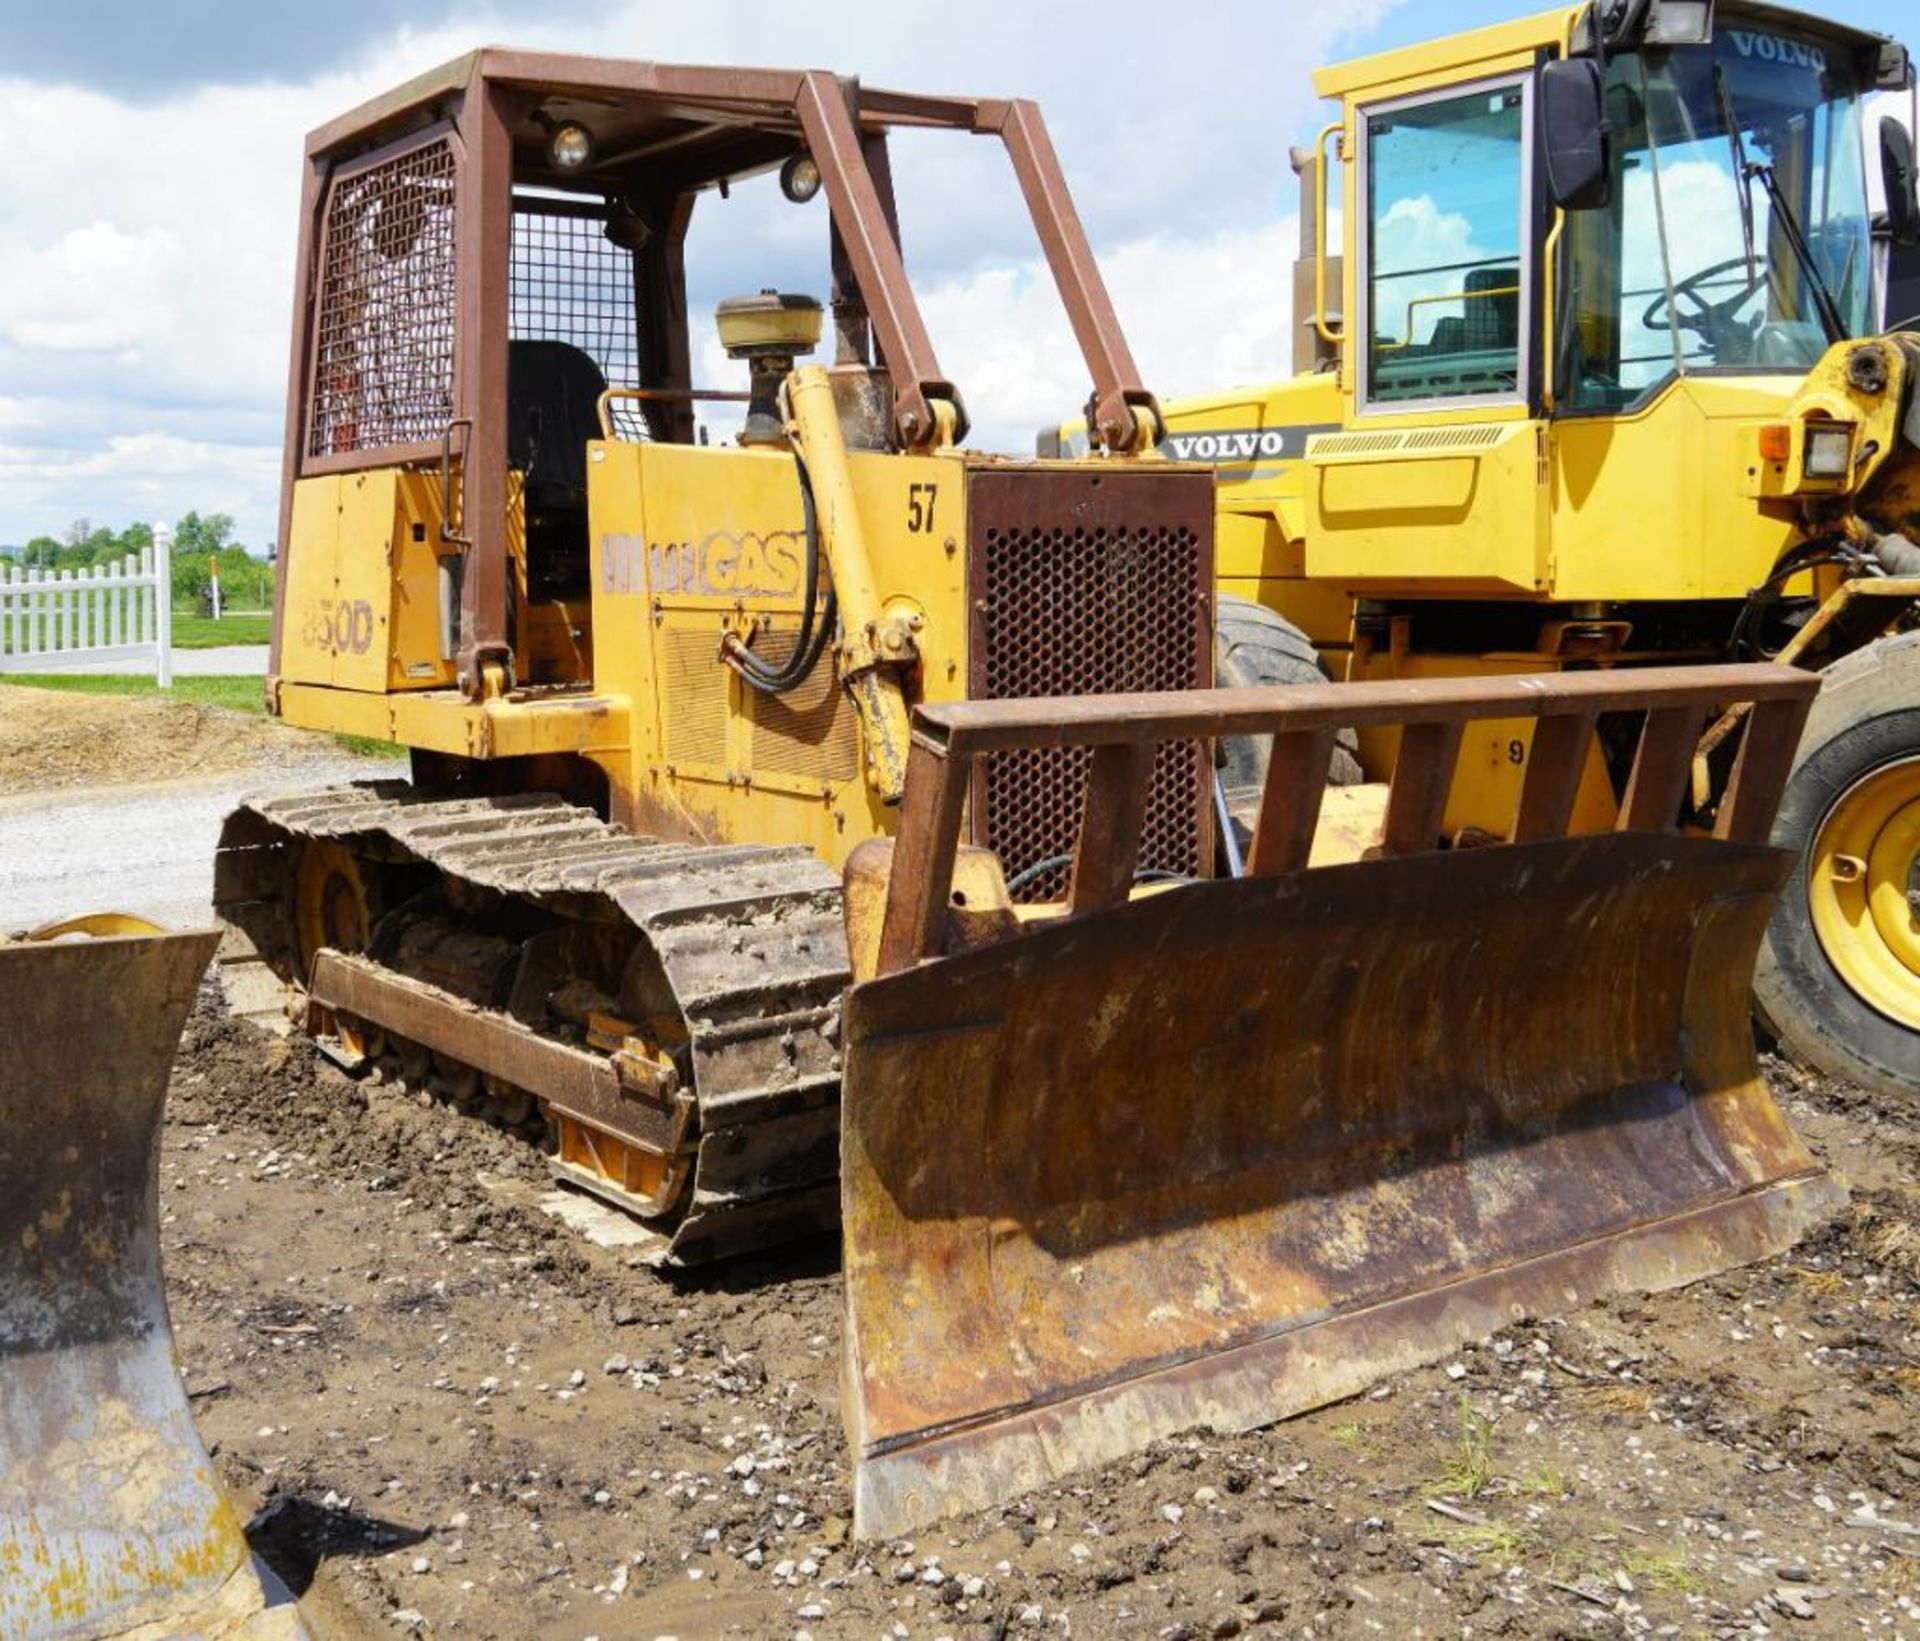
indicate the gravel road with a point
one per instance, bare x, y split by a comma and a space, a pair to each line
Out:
148, 847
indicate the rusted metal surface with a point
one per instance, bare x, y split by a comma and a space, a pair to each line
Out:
860, 216
1123, 413
571, 1080
1893, 594
484, 655
961, 740
1080, 583
111, 1517
1231, 1150
299, 352
751, 949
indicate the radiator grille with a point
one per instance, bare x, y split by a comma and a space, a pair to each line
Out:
383, 368
1087, 584
812, 731
695, 695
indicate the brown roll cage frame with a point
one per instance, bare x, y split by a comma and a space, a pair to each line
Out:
664, 134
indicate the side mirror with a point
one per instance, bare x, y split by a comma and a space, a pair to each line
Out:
1903, 191
1573, 135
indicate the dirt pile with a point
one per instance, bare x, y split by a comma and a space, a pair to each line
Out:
457, 1417
54, 738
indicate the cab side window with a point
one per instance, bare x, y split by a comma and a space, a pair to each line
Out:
1446, 273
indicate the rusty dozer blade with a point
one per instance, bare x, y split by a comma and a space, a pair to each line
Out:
111, 1520
1222, 1153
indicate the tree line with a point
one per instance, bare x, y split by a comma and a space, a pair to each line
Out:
246, 583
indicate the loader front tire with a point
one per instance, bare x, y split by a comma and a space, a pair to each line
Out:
1254, 646
1838, 981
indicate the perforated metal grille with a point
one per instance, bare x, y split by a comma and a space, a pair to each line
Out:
572, 284
383, 372
1081, 599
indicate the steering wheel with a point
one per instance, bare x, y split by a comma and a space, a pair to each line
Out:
1708, 317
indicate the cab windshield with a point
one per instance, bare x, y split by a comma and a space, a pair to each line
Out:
1691, 268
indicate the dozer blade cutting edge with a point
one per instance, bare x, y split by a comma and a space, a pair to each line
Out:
111, 1520
1222, 1153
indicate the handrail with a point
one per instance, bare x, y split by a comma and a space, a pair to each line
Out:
1123, 732
1430, 301
657, 395
1332, 337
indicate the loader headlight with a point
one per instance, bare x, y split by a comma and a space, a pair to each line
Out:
570, 146
1829, 453
1680, 23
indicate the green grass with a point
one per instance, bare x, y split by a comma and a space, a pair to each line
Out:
1467, 1467
1667, 1571
242, 694
1495, 1541
238, 694
199, 632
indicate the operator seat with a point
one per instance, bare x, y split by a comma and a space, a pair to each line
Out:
553, 399
1492, 321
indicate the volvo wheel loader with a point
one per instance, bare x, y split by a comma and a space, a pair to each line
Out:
1595, 377
819, 828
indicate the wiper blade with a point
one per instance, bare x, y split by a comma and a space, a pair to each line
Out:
1751, 170
1823, 300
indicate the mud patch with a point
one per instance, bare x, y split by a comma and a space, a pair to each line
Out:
54, 738
462, 1419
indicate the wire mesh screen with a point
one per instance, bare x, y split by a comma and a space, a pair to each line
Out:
572, 284
383, 372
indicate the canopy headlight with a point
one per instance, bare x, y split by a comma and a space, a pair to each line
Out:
570, 147
800, 178
1829, 452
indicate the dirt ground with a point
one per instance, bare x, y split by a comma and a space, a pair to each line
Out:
455, 1416
55, 739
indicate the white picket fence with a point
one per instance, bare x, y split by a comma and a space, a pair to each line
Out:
60, 620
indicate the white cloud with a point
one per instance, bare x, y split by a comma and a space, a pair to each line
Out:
146, 249
155, 477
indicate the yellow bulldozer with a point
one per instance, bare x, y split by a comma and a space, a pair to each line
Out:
820, 828
1594, 379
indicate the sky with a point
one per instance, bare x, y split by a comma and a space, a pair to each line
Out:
149, 162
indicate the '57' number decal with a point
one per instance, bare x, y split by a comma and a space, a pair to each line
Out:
920, 500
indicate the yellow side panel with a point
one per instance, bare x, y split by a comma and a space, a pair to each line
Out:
1650, 506
1257, 440
415, 635
1453, 508
306, 640
364, 579
1493, 753
363, 587
691, 542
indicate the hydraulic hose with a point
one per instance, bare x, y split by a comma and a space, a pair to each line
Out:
816, 626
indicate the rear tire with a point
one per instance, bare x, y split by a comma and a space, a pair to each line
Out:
1847, 1000
1254, 646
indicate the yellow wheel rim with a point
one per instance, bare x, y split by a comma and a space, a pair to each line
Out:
333, 906
1863, 888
